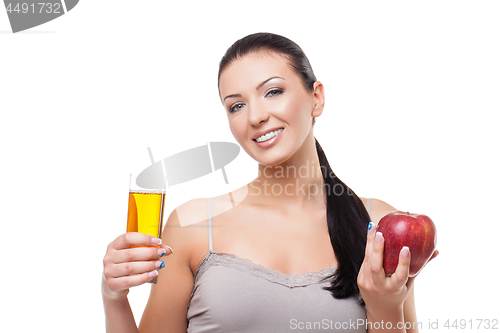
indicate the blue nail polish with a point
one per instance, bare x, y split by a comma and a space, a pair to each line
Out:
162, 265
163, 254
371, 228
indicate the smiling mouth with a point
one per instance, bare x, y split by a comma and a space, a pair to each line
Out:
269, 135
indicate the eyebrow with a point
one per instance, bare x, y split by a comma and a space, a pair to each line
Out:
265, 81
256, 88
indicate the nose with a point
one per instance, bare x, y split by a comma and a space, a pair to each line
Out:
257, 114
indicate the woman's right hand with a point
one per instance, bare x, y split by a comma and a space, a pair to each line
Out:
126, 267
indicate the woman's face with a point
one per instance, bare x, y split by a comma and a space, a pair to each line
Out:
262, 94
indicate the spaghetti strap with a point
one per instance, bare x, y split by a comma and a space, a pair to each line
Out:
210, 240
368, 205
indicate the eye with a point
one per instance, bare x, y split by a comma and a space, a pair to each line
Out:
236, 107
274, 92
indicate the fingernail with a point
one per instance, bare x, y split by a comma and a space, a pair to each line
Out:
162, 252
160, 264
153, 274
371, 228
378, 237
170, 248
405, 252
156, 241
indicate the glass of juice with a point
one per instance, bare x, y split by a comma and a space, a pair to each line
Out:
145, 209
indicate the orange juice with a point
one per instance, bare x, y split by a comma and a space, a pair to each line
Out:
145, 212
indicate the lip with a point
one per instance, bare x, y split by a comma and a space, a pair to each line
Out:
271, 141
261, 133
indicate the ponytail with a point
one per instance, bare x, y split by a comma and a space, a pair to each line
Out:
347, 221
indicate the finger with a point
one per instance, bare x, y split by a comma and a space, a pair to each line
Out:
365, 266
127, 282
400, 276
141, 254
369, 240
377, 259
361, 273
410, 282
165, 250
434, 255
133, 268
129, 239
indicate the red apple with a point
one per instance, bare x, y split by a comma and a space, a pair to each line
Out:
416, 231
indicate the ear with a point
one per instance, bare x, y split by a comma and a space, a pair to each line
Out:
319, 99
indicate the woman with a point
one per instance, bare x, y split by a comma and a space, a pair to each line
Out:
298, 252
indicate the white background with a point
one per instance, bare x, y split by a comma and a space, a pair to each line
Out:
412, 97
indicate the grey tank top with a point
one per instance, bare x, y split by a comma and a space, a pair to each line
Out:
232, 294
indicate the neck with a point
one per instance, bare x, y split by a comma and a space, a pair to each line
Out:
298, 181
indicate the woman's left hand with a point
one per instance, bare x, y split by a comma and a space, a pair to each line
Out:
381, 292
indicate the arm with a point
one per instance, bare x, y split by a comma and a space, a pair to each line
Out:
409, 311
124, 268
119, 316
389, 300
166, 310
167, 306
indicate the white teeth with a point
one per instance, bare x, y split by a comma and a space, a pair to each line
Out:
268, 135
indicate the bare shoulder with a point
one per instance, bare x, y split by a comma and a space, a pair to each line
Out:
378, 209
187, 226
186, 234
186, 231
